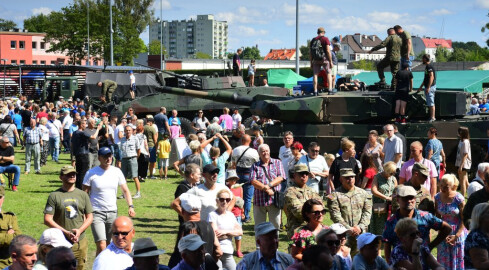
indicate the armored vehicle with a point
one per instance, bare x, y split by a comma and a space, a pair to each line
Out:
149, 97
327, 118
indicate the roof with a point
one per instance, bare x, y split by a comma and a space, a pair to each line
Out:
471, 81
437, 42
441, 66
367, 41
280, 54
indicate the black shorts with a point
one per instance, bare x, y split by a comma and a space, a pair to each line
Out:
401, 95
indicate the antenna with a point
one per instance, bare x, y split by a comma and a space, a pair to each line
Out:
442, 30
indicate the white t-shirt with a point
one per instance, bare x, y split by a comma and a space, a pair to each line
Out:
236, 119
199, 123
103, 187
284, 155
54, 128
113, 258
118, 129
464, 148
111, 132
226, 221
208, 198
132, 78
44, 132
67, 122
473, 187
251, 156
315, 165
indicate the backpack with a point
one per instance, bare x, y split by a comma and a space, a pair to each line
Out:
317, 51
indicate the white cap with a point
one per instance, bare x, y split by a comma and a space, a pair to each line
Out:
190, 242
339, 228
55, 238
190, 203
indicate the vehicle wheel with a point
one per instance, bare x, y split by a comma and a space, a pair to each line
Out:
186, 126
247, 122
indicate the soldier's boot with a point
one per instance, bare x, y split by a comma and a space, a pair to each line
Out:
381, 83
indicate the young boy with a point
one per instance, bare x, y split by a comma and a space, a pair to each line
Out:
238, 212
163, 149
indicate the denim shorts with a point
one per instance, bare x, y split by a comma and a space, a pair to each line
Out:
152, 154
117, 152
240, 225
430, 97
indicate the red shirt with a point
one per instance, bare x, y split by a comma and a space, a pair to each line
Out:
369, 173
41, 115
238, 192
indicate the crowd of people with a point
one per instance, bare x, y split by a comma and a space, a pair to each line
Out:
387, 196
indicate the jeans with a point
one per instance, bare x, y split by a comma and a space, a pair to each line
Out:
12, 169
66, 139
29, 150
248, 191
54, 148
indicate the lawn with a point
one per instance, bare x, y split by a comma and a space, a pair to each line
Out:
154, 217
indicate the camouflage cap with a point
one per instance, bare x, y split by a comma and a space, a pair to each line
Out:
346, 172
2, 191
301, 168
67, 169
419, 167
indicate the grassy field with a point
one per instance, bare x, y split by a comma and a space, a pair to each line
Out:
154, 217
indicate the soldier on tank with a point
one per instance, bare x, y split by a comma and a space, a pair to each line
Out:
392, 56
108, 89
9, 230
351, 206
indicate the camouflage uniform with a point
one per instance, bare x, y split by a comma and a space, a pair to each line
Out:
351, 208
392, 56
295, 197
405, 36
423, 199
8, 220
108, 89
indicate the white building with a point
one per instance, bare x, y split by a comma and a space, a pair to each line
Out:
355, 47
183, 39
430, 45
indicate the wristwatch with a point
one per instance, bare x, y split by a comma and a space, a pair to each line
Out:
131, 206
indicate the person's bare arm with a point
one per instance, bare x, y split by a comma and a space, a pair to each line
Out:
410, 47
127, 196
387, 252
229, 149
75, 233
442, 235
177, 164
176, 205
87, 189
433, 187
328, 55
429, 154
411, 85
49, 221
364, 182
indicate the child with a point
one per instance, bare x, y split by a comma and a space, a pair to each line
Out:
251, 73
132, 87
329, 159
237, 191
175, 128
163, 149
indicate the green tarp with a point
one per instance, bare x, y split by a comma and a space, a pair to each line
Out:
470, 81
283, 78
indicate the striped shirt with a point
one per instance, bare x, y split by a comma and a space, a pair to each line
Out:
32, 135
265, 174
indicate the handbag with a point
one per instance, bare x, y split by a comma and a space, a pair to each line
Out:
379, 208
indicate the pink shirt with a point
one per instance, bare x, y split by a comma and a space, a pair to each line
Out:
407, 167
228, 119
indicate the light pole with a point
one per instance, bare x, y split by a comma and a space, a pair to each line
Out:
111, 37
297, 36
88, 32
4, 75
162, 64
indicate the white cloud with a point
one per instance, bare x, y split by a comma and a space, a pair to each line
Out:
308, 13
242, 16
248, 31
158, 4
482, 4
274, 41
41, 10
390, 17
441, 12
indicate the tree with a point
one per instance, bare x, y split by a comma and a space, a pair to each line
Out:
442, 54
251, 53
484, 29
38, 24
7, 24
154, 47
201, 55
305, 51
363, 64
339, 55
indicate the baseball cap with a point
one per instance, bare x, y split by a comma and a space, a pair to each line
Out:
190, 242
264, 228
404, 191
339, 228
67, 169
105, 114
190, 203
54, 237
366, 238
337, 38
301, 168
419, 167
145, 247
210, 168
104, 151
346, 172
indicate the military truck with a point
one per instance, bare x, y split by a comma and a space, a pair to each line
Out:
327, 118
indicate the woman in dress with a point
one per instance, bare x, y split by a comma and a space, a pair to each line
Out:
226, 227
200, 122
258, 133
464, 158
374, 148
313, 213
449, 205
410, 254
382, 188
434, 150
477, 242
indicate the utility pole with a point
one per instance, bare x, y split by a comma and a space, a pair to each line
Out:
88, 32
297, 36
111, 37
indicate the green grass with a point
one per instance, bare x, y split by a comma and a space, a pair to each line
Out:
154, 217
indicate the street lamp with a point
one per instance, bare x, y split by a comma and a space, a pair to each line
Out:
161, 36
88, 32
4, 75
297, 37
111, 37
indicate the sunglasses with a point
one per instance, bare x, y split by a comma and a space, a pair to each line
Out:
317, 213
116, 234
67, 264
224, 199
303, 173
333, 243
315, 151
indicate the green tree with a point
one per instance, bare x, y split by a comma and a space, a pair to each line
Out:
305, 51
251, 53
339, 55
363, 64
38, 24
154, 47
486, 26
201, 55
7, 24
419, 56
458, 54
442, 54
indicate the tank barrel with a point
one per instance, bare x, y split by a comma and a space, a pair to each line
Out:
220, 96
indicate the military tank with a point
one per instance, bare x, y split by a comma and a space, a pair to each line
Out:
187, 106
327, 118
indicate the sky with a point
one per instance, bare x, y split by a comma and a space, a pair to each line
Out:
270, 24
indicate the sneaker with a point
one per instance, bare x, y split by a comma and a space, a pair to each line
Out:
38, 172
239, 254
403, 121
14, 188
432, 120
142, 180
137, 196
152, 177
121, 197
247, 220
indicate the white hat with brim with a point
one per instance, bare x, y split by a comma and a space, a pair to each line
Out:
145, 247
339, 228
54, 237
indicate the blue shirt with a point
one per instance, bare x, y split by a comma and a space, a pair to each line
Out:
182, 265
160, 120
436, 146
171, 119
18, 121
425, 221
359, 263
